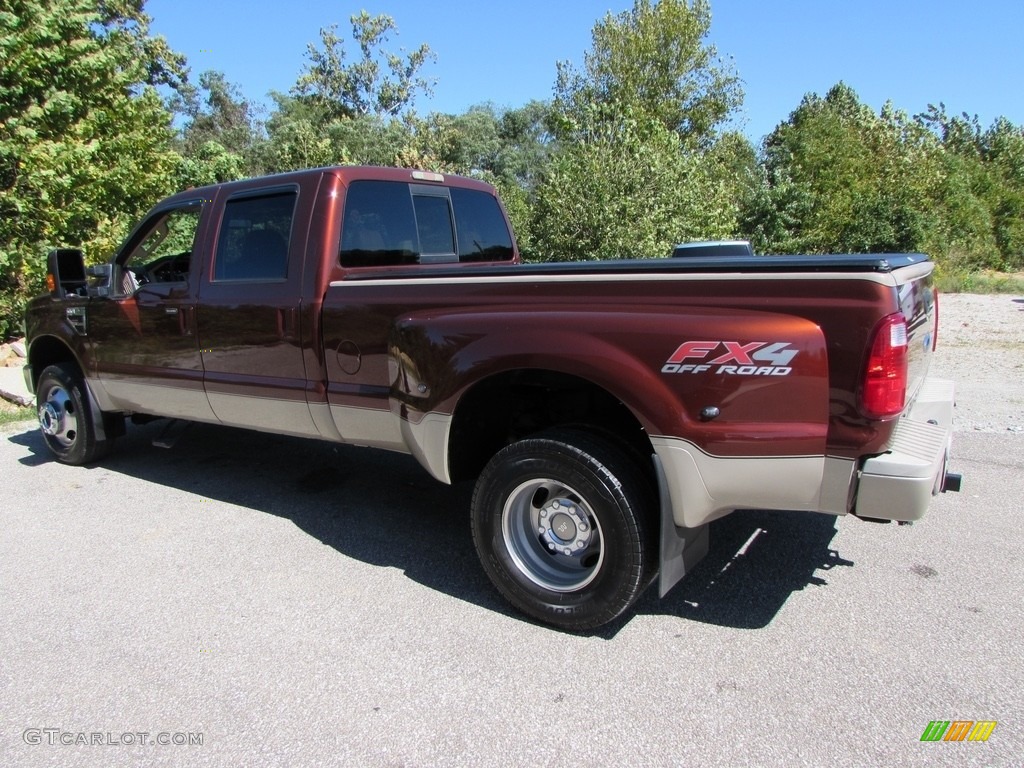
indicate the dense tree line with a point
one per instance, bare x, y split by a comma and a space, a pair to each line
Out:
631, 155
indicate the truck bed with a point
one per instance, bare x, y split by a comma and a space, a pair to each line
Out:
866, 262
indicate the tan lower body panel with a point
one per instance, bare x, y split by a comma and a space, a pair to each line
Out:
703, 487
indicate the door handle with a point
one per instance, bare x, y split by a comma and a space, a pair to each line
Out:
288, 322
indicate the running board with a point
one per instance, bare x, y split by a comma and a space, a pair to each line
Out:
171, 432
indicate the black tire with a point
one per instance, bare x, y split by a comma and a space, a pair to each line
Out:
65, 416
597, 550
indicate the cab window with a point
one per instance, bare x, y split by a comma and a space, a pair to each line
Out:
388, 223
253, 240
163, 254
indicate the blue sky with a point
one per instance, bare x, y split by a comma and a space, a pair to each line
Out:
912, 52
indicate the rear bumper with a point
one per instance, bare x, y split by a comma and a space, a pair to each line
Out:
899, 484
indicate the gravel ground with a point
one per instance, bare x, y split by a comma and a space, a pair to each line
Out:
981, 347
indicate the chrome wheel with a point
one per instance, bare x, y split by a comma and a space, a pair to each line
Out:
562, 523
552, 535
58, 418
65, 417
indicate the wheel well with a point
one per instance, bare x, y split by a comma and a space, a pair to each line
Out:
508, 407
47, 351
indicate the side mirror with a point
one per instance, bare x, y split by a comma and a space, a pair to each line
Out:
99, 274
65, 273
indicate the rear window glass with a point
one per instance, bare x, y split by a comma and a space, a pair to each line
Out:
483, 233
434, 224
390, 223
379, 228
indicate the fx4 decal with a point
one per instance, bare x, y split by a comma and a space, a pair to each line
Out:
757, 358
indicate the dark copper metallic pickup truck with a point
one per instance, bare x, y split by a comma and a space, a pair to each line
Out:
607, 411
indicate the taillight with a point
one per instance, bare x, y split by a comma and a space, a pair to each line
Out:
884, 389
935, 331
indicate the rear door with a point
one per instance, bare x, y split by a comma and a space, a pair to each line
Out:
394, 224
249, 311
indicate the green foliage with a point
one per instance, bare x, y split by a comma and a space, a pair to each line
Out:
363, 88
631, 157
511, 145
507, 148
85, 141
341, 112
985, 281
641, 164
838, 178
14, 414
651, 60
221, 139
296, 137
628, 192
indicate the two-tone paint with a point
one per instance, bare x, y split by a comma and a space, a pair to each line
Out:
451, 362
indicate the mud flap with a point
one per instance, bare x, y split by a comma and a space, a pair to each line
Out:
107, 425
681, 548
98, 422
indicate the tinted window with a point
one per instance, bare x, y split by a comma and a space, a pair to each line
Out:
483, 233
379, 228
388, 223
434, 224
253, 241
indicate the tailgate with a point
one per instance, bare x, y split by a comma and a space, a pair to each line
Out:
918, 303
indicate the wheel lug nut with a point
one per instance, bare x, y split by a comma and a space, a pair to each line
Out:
540, 529
568, 551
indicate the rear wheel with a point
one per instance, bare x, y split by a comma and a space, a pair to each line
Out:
65, 417
561, 523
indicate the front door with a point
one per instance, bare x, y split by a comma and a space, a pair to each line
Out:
145, 346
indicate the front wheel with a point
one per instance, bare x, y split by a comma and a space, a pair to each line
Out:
561, 523
65, 417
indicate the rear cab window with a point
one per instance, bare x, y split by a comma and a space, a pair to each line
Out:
254, 237
390, 223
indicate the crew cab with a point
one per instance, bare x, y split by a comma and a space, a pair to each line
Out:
607, 412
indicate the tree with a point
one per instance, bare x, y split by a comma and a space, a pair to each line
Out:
341, 112
507, 144
363, 87
838, 178
1004, 143
635, 170
652, 60
508, 148
221, 139
629, 192
85, 140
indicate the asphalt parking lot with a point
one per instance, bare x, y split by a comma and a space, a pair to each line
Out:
287, 602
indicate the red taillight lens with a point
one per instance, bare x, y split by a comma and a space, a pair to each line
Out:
884, 389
